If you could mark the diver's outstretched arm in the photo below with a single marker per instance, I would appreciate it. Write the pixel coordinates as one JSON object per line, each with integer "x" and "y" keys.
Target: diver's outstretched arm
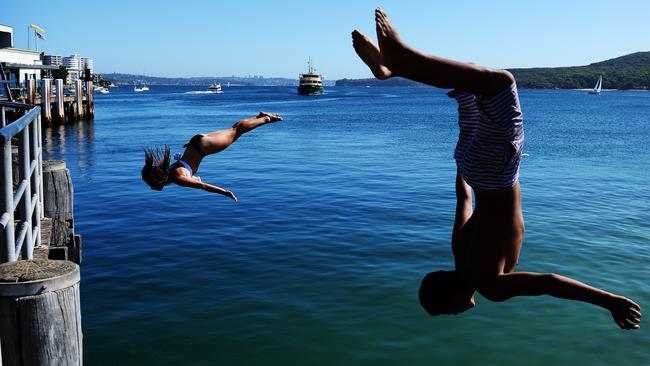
{"x": 626, "y": 313}
{"x": 195, "y": 182}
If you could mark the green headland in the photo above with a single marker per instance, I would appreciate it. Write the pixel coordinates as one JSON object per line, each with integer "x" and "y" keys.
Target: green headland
{"x": 626, "y": 72}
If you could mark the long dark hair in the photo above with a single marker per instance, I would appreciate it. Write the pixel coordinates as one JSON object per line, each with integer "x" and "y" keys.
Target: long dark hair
{"x": 156, "y": 162}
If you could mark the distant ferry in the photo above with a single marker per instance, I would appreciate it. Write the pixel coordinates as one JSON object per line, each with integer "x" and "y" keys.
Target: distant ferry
{"x": 311, "y": 83}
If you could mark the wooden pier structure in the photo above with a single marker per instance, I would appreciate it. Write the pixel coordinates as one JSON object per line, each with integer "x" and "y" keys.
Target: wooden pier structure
{"x": 40, "y": 315}
{"x": 59, "y": 104}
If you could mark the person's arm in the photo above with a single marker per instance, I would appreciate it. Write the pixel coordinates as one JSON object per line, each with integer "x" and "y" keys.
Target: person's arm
{"x": 626, "y": 313}
{"x": 195, "y": 182}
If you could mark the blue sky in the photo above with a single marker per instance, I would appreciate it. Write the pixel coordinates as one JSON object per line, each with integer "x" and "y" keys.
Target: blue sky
{"x": 275, "y": 38}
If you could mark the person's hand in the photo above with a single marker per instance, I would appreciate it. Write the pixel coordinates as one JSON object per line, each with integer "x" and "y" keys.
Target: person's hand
{"x": 231, "y": 195}
{"x": 626, "y": 313}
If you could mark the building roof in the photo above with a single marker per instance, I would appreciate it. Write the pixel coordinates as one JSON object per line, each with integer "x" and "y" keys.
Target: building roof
{"x": 20, "y": 50}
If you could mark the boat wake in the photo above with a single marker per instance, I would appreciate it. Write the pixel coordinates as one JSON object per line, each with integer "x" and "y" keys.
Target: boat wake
{"x": 203, "y": 92}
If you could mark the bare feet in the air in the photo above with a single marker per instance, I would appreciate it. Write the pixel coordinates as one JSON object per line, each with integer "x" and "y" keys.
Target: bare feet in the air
{"x": 385, "y": 59}
{"x": 273, "y": 117}
{"x": 391, "y": 46}
{"x": 369, "y": 54}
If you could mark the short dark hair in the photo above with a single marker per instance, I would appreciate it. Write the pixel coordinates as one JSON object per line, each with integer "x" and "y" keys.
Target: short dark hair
{"x": 436, "y": 290}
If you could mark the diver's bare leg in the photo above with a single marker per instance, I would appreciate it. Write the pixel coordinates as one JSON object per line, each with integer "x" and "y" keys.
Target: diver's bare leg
{"x": 249, "y": 124}
{"x": 220, "y": 140}
{"x": 402, "y": 60}
{"x": 463, "y": 214}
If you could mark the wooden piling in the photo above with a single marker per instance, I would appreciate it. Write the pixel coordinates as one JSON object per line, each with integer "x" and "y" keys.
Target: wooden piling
{"x": 90, "y": 99}
{"x": 31, "y": 92}
{"x": 46, "y": 100}
{"x": 58, "y": 204}
{"x": 40, "y": 317}
{"x": 79, "y": 98}
{"x": 59, "y": 108}
{"x": 57, "y": 190}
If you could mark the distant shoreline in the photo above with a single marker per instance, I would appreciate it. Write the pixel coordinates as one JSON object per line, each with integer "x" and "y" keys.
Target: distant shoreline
{"x": 629, "y": 72}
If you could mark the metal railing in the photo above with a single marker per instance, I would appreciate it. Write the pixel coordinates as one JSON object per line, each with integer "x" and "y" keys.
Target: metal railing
{"x": 21, "y": 209}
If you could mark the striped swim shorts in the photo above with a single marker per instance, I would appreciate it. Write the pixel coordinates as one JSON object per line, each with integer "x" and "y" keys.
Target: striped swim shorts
{"x": 491, "y": 138}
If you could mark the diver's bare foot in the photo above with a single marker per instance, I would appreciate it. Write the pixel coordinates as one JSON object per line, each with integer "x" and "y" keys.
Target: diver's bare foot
{"x": 626, "y": 313}
{"x": 391, "y": 47}
{"x": 273, "y": 117}
{"x": 369, "y": 54}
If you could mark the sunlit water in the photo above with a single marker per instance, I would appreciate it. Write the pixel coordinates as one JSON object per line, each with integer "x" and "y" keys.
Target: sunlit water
{"x": 343, "y": 208}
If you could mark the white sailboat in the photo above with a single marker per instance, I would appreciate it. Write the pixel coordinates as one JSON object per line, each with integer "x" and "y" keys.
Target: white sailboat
{"x": 598, "y": 87}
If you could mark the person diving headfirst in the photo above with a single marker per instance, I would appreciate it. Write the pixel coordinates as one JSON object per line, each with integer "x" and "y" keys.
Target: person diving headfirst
{"x": 486, "y": 239}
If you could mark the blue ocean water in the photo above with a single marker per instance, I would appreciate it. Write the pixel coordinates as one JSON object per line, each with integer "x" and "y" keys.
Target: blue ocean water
{"x": 343, "y": 207}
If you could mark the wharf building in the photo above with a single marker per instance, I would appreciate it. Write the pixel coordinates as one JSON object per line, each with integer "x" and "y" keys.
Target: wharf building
{"x": 33, "y": 79}
{"x": 21, "y": 65}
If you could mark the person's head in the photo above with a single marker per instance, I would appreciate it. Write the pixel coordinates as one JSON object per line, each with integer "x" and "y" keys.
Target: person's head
{"x": 443, "y": 292}
{"x": 154, "y": 172}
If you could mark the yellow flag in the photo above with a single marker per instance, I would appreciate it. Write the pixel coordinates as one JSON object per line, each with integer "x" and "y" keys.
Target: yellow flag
{"x": 34, "y": 26}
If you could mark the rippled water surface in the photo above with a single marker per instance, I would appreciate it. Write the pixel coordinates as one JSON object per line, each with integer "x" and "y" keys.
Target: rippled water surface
{"x": 343, "y": 208}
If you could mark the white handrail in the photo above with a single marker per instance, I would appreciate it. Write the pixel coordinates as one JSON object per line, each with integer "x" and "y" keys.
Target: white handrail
{"x": 21, "y": 208}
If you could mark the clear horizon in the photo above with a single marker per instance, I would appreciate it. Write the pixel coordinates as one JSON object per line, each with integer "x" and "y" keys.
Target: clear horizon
{"x": 205, "y": 39}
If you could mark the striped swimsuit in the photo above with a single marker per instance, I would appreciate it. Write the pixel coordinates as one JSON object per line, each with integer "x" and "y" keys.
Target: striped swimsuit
{"x": 491, "y": 138}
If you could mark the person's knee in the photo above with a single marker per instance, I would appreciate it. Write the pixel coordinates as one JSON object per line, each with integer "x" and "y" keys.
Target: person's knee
{"x": 500, "y": 79}
{"x": 240, "y": 127}
{"x": 506, "y": 77}
{"x": 495, "y": 80}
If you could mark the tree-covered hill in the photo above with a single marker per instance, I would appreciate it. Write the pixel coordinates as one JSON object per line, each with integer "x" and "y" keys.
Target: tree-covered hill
{"x": 625, "y": 72}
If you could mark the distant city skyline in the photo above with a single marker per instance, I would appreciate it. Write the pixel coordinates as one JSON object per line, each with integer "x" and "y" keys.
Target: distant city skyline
{"x": 275, "y": 39}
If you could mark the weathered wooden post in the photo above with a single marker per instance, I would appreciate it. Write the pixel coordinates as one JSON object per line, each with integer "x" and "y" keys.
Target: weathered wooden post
{"x": 79, "y": 98}
{"x": 59, "y": 109}
{"x": 57, "y": 189}
{"x": 58, "y": 204}
{"x": 46, "y": 96}
{"x": 40, "y": 317}
{"x": 90, "y": 99}
{"x": 31, "y": 92}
